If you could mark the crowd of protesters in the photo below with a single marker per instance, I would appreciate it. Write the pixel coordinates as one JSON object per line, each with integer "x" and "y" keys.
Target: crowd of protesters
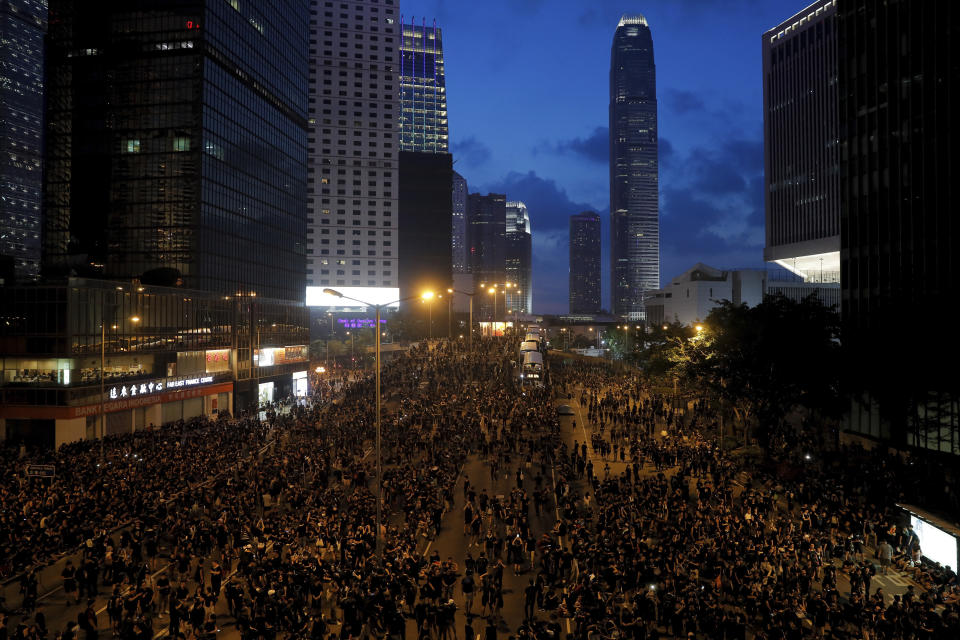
{"x": 697, "y": 547}
{"x": 649, "y": 536}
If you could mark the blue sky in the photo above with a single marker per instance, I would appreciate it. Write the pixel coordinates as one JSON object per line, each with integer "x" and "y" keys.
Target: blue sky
{"x": 527, "y": 86}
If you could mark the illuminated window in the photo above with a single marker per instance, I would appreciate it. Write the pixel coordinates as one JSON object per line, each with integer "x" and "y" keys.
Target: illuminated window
{"x": 133, "y": 145}
{"x": 181, "y": 144}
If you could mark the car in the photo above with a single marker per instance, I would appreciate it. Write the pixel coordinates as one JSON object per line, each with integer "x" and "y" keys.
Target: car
{"x": 565, "y": 410}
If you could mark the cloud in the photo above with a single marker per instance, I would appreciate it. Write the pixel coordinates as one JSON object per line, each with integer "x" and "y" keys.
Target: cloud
{"x": 549, "y": 204}
{"x": 683, "y": 102}
{"x": 595, "y": 147}
{"x": 712, "y": 209}
{"x": 471, "y": 151}
{"x": 665, "y": 153}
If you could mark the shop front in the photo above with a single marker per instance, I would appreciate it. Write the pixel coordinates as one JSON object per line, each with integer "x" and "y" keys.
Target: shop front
{"x": 126, "y": 408}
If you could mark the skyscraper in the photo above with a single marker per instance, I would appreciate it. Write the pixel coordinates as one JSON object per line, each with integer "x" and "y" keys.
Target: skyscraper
{"x": 426, "y": 169}
{"x": 353, "y": 159}
{"x": 176, "y": 143}
{"x": 423, "y": 92}
{"x": 22, "y": 26}
{"x": 898, "y": 232}
{"x": 634, "y": 195}
{"x": 458, "y": 240}
{"x": 423, "y": 255}
{"x": 801, "y": 154}
{"x": 486, "y": 233}
{"x": 585, "y": 263}
{"x": 518, "y": 258}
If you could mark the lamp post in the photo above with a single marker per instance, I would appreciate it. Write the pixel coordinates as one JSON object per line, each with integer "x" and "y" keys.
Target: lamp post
{"x": 470, "y": 325}
{"x": 429, "y": 301}
{"x": 103, "y": 363}
{"x": 351, "y": 349}
{"x": 329, "y": 337}
{"x": 103, "y": 353}
{"x": 378, "y": 308}
{"x": 449, "y": 314}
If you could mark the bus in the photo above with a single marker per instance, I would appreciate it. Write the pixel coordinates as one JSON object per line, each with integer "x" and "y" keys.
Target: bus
{"x": 532, "y": 369}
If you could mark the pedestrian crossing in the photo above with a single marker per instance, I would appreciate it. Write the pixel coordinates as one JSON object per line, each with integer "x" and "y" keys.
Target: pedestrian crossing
{"x": 891, "y": 579}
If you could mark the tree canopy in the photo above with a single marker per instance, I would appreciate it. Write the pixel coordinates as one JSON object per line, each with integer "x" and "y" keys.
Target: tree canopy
{"x": 765, "y": 360}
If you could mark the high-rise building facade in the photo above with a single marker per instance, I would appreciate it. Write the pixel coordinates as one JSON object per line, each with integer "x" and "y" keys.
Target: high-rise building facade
{"x": 458, "y": 238}
{"x": 354, "y": 148}
{"x": 176, "y": 143}
{"x": 801, "y": 150}
{"x": 518, "y": 258}
{"x": 898, "y": 233}
{"x": 486, "y": 234}
{"x": 423, "y": 92}
{"x": 22, "y": 27}
{"x": 424, "y": 258}
{"x": 585, "y": 263}
{"x": 634, "y": 168}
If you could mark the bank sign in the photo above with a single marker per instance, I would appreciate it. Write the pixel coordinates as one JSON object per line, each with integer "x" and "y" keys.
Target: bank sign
{"x": 148, "y": 388}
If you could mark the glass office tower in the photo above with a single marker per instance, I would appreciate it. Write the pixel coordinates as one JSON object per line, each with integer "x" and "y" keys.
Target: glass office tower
{"x": 897, "y": 79}
{"x": 423, "y": 92}
{"x": 177, "y": 143}
{"x": 802, "y": 163}
{"x": 585, "y": 263}
{"x": 22, "y": 26}
{"x": 458, "y": 239}
{"x": 634, "y": 195}
{"x": 518, "y": 258}
{"x": 486, "y": 235}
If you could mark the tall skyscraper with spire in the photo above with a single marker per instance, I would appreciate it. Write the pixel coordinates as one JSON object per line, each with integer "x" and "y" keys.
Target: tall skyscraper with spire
{"x": 634, "y": 170}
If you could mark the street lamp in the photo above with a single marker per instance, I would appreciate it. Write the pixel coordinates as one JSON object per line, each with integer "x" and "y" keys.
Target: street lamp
{"x": 378, "y": 307}
{"x": 470, "y": 325}
{"x": 329, "y": 336}
{"x": 352, "y": 361}
{"x": 428, "y": 298}
{"x": 103, "y": 364}
{"x": 449, "y": 313}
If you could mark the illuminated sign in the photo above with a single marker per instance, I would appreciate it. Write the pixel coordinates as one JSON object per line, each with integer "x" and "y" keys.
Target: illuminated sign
{"x": 386, "y": 296}
{"x": 147, "y": 388}
{"x": 263, "y": 357}
{"x": 359, "y": 323}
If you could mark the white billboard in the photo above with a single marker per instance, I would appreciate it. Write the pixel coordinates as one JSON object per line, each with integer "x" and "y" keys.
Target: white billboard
{"x": 935, "y": 543}
{"x": 388, "y": 296}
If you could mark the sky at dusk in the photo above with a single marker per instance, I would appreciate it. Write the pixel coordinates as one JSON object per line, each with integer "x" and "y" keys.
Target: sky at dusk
{"x": 528, "y": 95}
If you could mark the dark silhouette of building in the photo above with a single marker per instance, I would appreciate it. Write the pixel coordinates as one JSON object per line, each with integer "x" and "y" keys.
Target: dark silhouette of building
{"x": 423, "y": 91}
{"x": 23, "y": 25}
{"x": 486, "y": 234}
{"x": 898, "y": 80}
{"x": 585, "y": 263}
{"x": 425, "y": 222}
{"x": 634, "y": 195}
{"x": 801, "y": 153}
{"x": 518, "y": 259}
{"x": 176, "y": 143}
{"x": 461, "y": 262}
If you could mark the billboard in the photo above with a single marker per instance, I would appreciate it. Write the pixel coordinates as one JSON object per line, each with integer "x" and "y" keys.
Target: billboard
{"x": 387, "y": 296}
{"x": 935, "y": 543}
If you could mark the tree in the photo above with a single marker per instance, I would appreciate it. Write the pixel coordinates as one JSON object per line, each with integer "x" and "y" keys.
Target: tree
{"x": 765, "y": 361}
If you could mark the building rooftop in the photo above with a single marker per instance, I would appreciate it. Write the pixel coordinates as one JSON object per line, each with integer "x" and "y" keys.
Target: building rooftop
{"x": 635, "y": 19}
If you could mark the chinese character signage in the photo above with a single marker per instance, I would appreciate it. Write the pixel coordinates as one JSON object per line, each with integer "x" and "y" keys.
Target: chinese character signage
{"x": 120, "y": 392}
